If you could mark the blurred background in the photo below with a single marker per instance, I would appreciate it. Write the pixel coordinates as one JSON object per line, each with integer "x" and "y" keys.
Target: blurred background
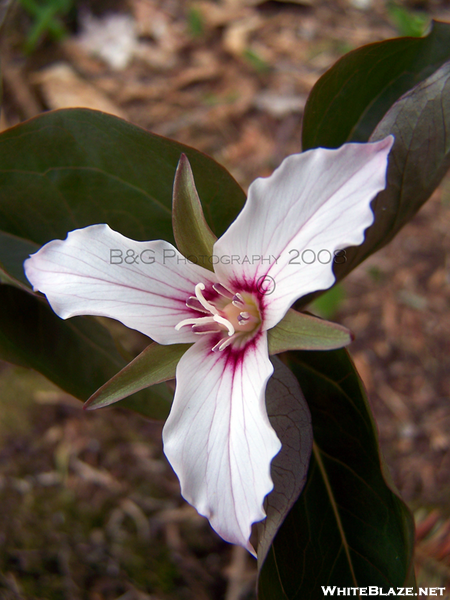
{"x": 89, "y": 507}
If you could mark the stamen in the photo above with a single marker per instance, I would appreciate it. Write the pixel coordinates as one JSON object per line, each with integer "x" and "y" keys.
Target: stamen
{"x": 201, "y": 321}
{"x": 236, "y": 316}
{"x": 209, "y": 307}
{"x": 222, "y": 344}
{"x": 238, "y": 300}
{"x": 207, "y": 328}
{"x": 223, "y": 291}
{"x": 194, "y": 303}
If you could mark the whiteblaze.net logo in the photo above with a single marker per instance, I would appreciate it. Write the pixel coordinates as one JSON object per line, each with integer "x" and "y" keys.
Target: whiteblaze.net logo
{"x": 373, "y": 590}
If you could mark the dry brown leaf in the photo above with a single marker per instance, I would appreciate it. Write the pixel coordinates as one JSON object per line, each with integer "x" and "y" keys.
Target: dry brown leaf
{"x": 62, "y": 87}
{"x": 237, "y": 34}
{"x": 219, "y": 15}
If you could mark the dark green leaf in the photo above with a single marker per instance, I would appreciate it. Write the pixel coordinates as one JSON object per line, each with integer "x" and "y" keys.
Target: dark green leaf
{"x": 299, "y": 331}
{"x": 350, "y": 99}
{"x": 78, "y": 355}
{"x": 153, "y": 365}
{"x": 12, "y": 251}
{"x": 289, "y": 416}
{"x": 419, "y": 159}
{"x": 72, "y": 168}
{"x": 420, "y": 123}
{"x": 348, "y": 528}
{"x": 193, "y": 237}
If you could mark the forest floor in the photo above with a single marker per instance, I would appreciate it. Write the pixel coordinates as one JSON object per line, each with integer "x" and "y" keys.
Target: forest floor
{"x": 89, "y": 507}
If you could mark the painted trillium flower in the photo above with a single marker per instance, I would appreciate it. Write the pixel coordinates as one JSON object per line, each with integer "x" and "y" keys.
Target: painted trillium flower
{"x": 218, "y": 438}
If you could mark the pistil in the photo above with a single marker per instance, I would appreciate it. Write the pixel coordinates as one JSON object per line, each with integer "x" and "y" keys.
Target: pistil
{"x": 238, "y": 317}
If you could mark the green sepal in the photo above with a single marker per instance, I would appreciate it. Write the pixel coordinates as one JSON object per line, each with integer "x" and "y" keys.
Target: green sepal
{"x": 193, "y": 237}
{"x": 300, "y": 331}
{"x": 153, "y": 365}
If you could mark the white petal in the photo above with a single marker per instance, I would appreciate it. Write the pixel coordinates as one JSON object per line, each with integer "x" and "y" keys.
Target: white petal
{"x": 97, "y": 271}
{"x": 218, "y": 438}
{"x": 318, "y": 200}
